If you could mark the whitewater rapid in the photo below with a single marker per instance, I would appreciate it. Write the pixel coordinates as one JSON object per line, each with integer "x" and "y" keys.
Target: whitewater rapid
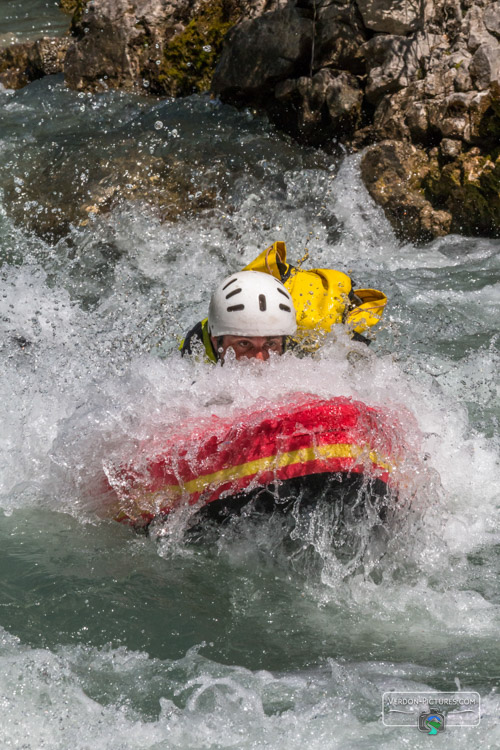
{"x": 114, "y": 640}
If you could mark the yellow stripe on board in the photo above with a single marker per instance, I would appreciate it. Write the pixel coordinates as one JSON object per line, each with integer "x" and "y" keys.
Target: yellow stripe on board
{"x": 302, "y": 455}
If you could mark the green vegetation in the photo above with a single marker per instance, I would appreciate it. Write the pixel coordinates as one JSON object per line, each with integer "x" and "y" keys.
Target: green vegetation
{"x": 469, "y": 188}
{"x": 13, "y": 65}
{"x": 72, "y": 6}
{"x": 75, "y": 8}
{"x": 190, "y": 58}
{"x": 489, "y": 128}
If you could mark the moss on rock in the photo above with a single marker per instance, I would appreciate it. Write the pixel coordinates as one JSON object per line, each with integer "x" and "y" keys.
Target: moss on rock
{"x": 72, "y": 6}
{"x": 469, "y": 188}
{"x": 14, "y": 62}
{"x": 76, "y": 9}
{"x": 189, "y": 59}
{"x": 394, "y": 172}
{"x": 489, "y": 127}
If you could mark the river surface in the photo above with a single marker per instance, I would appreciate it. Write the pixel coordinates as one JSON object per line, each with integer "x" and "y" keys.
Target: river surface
{"x": 22, "y": 20}
{"x": 249, "y": 639}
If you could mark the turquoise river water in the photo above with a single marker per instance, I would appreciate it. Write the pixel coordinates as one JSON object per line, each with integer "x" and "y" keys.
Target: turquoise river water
{"x": 251, "y": 639}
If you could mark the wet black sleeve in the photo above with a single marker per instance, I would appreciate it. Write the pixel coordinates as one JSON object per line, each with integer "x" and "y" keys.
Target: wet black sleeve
{"x": 195, "y": 334}
{"x": 358, "y": 337}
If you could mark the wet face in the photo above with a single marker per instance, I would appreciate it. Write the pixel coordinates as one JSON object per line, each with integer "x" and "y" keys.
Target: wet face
{"x": 249, "y": 347}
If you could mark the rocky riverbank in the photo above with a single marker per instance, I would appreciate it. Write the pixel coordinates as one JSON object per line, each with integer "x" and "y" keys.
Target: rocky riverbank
{"x": 414, "y": 83}
{"x": 417, "y": 83}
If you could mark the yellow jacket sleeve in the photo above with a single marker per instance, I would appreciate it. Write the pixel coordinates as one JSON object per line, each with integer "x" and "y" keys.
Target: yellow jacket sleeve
{"x": 369, "y": 312}
{"x": 322, "y": 296}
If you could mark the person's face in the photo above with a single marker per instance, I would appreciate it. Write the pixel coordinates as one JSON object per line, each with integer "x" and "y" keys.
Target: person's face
{"x": 248, "y": 347}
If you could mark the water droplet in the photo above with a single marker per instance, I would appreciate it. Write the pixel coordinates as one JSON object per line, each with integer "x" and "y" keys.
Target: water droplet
{"x": 207, "y": 48}
{"x": 158, "y": 125}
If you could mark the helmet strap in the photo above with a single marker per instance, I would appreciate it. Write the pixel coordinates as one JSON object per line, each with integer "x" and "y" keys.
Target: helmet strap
{"x": 220, "y": 344}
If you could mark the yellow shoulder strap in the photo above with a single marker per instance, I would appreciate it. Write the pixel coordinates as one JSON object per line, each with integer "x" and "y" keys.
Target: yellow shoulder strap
{"x": 209, "y": 350}
{"x": 271, "y": 260}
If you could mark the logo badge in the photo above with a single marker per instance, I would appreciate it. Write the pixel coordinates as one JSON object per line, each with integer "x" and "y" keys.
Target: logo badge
{"x": 432, "y": 723}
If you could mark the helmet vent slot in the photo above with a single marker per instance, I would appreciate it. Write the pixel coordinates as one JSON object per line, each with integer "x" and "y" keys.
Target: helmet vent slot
{"x": 229, "y": 283}
{"x": 235, "y": 308}
{"x": 262, "y": 302}
{"x": 285, "y": 308}
{"x": 231, "y": 294}
{"x": 282, "y": 291}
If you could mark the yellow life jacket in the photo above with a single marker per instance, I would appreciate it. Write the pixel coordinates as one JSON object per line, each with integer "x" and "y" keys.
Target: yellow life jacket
{"x": 322, "y": 296}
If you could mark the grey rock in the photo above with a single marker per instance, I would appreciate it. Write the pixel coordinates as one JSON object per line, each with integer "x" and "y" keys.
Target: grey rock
{"x": 26, "y": 61}
{"x": 491, "y": 19}
{"x": 450, "y": 148}
{"x": 485, "y": 66}
{"x": 460, "y": 115}
{"x": 338, "y": 37}
{"x": 410, "y": 115}
{"x": 454, "y": 127}
{"x": 394, "y": 61}
{"x": 47, "y": 56}
{"x": 392, "y": 16}
{"x": 121, "y": 43}
{"x": 423, "y": 73}
{"x": 14, "y": 65}
{"x": 387, "y": 61}
{"x": 103, "y": 56}
{"x": 474, "y": 29}
{"x": 463, "y": 81}
{"x": 261, "y": 52}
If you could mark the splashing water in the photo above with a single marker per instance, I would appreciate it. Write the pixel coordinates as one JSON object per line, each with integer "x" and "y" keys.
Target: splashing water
{"x": 255, "y": 638}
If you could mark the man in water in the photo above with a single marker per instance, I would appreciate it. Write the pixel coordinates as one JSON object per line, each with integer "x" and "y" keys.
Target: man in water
{"x": 272, "y": 303}
{"x": 251, "y": 313}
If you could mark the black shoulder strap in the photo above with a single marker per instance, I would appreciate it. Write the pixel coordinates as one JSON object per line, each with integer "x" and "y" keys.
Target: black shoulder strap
{"x": 199, "y": 335}
{"x": 196, "y": 333}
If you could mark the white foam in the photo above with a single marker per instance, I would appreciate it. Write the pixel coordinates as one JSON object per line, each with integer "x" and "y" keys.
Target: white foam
{"x": 56, "y": 698}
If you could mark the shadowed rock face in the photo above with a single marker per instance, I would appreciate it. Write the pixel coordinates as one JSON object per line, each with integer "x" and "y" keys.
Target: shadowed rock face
{"x": 387, "y": 74}
{"x": 314, "y": 109}
{"x": 262, "y": 52}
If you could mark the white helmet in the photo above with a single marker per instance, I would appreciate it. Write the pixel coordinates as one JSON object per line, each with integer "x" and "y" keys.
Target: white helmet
{"x": 250, "y": 303}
